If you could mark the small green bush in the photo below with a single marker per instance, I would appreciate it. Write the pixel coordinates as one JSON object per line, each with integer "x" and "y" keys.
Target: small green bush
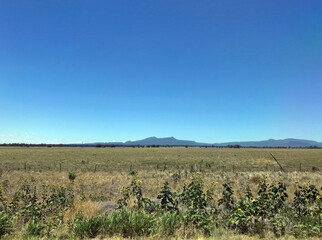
{"x": 130, "y": 223}
{"x": 6, "y": 225}
{"x": 87, "y": 227}
{"x": 170, "y": 221}
{"x": 194, "y": 200}
{"x": 71, "y": 176}
{"x": 36, "y": 229}
{"x": 306, "y": 230}
{"x": 169, "y": 201}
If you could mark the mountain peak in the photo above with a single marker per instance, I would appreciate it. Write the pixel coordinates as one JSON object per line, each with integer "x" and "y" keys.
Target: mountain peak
{"x": 149, "y": 138}
{"x": 170, "y": 138}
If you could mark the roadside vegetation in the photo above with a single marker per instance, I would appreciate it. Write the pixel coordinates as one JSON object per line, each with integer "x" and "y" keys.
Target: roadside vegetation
{"x": 52, "y": 211}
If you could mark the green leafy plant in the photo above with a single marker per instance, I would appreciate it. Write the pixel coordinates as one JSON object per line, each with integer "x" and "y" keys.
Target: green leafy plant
{"x": 170, "y": 221}
{"x": 194, "y": 199}
{"x": 87, "y": 227}
{"x": 130, "y": 223}
{"x": 36, "y": 229}
{"x": 71, "y": 176}
{"x": 169, "y": 201}
{"x": 6, "y": 224}
{"x": 135, "y": 190}
{"x": 227, "y": 200}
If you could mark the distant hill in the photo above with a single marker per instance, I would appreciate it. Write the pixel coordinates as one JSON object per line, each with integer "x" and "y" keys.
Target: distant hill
{"x": 289, "y": 142}
{"x": 171, "y": 141}
{"x": 165, "y": 141}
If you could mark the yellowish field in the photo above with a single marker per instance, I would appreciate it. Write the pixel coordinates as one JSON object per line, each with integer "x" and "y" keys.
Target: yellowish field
{"x": 121, "y": 159}
{"x": 154, "y": 167}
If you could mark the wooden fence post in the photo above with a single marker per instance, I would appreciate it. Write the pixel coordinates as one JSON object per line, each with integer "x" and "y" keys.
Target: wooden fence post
{"x": 278, "y": 163}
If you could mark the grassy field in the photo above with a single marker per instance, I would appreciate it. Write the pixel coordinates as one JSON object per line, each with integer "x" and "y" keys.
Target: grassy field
{"x": 101, "y": 173}
{"x": 121, "y": 159}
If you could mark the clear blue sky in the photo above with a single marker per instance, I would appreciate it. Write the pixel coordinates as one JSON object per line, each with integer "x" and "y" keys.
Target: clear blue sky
{"x": 210, "y": 71}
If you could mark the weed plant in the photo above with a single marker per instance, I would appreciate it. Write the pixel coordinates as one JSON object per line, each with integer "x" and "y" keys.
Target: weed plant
{"x": 38, "y": 211}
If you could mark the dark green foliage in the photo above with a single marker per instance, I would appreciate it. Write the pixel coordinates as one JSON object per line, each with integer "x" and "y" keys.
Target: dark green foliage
{"x": 192, "y": 211}
{"x": 27, "y": 205}
{"x": 227, "y": 201}
{"x": 247, "y": 213}
{"x": 251, "y": 215}
{"x": 168, "y": 200}
{"x": 194, "y": 199}
{"x": 6, "y": 225}
{"x": 36, "y": 229}
{"x": 129, "y": 223}
{"x": 71, "y": 176}
{"x": 170, "y": 221}
{"x": 41, "y": 212}
{"x": 307, "y": 207}
{"x": 87, "y": 227}
{"x": 307, "y": 230}
{"x": 135, "y": 190}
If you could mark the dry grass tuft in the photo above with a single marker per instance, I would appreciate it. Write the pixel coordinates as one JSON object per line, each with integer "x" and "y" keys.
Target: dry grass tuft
{"x": 89, "y": 209}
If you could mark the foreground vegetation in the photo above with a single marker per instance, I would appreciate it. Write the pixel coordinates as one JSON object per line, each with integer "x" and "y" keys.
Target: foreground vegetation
{"x": 51, "y": 211}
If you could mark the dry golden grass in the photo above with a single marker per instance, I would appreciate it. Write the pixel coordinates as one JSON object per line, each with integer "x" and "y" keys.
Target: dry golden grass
{"x": 105, "y": 186}
{"x": 121, "y": 159}
{"x": 154, "y": 166}
{"x": 220, "y": 235}
{"x": 88, "y": 208}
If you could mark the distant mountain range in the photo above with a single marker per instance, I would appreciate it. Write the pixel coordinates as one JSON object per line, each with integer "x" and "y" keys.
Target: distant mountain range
{"x": 171, "y": 141}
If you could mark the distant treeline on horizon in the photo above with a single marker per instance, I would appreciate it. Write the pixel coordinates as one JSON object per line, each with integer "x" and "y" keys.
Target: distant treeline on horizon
{"x": 139, "y": 146}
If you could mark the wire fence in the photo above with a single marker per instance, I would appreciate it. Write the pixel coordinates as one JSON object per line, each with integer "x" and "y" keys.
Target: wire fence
{"x": 65, "y": 167}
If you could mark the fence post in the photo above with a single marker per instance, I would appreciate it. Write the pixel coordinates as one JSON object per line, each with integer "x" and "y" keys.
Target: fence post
{"x": 25, "y": 167}
{"x": 281, "y": 168}
{"x": 59, "y": 167}
{"x": 300, "y": 167}
{"x": 95, "y": 168}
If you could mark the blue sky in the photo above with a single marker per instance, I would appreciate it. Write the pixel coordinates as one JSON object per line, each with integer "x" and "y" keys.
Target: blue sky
{"x": 210, "y": 71}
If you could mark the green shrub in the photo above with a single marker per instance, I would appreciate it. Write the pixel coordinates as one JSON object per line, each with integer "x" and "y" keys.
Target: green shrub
{"x": 170, "y": 221}
{"x": 254, "y": 215}
{"x": 243, "y": 217}
{"x": 306, "y": 230}
{"x": 87, "y": 227}
{"x": 194, "y": 199}
{"x": 134, "y": 190}
{"x": 29, "y": 205}
{"x": 130, "y": 223}
{"x": 227, "y": 200}
{"x": 6, "y": 225}
{"x": 71, "y": 176}
{"x": 168, "y": 200}
{"x": 36, "y": 229}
